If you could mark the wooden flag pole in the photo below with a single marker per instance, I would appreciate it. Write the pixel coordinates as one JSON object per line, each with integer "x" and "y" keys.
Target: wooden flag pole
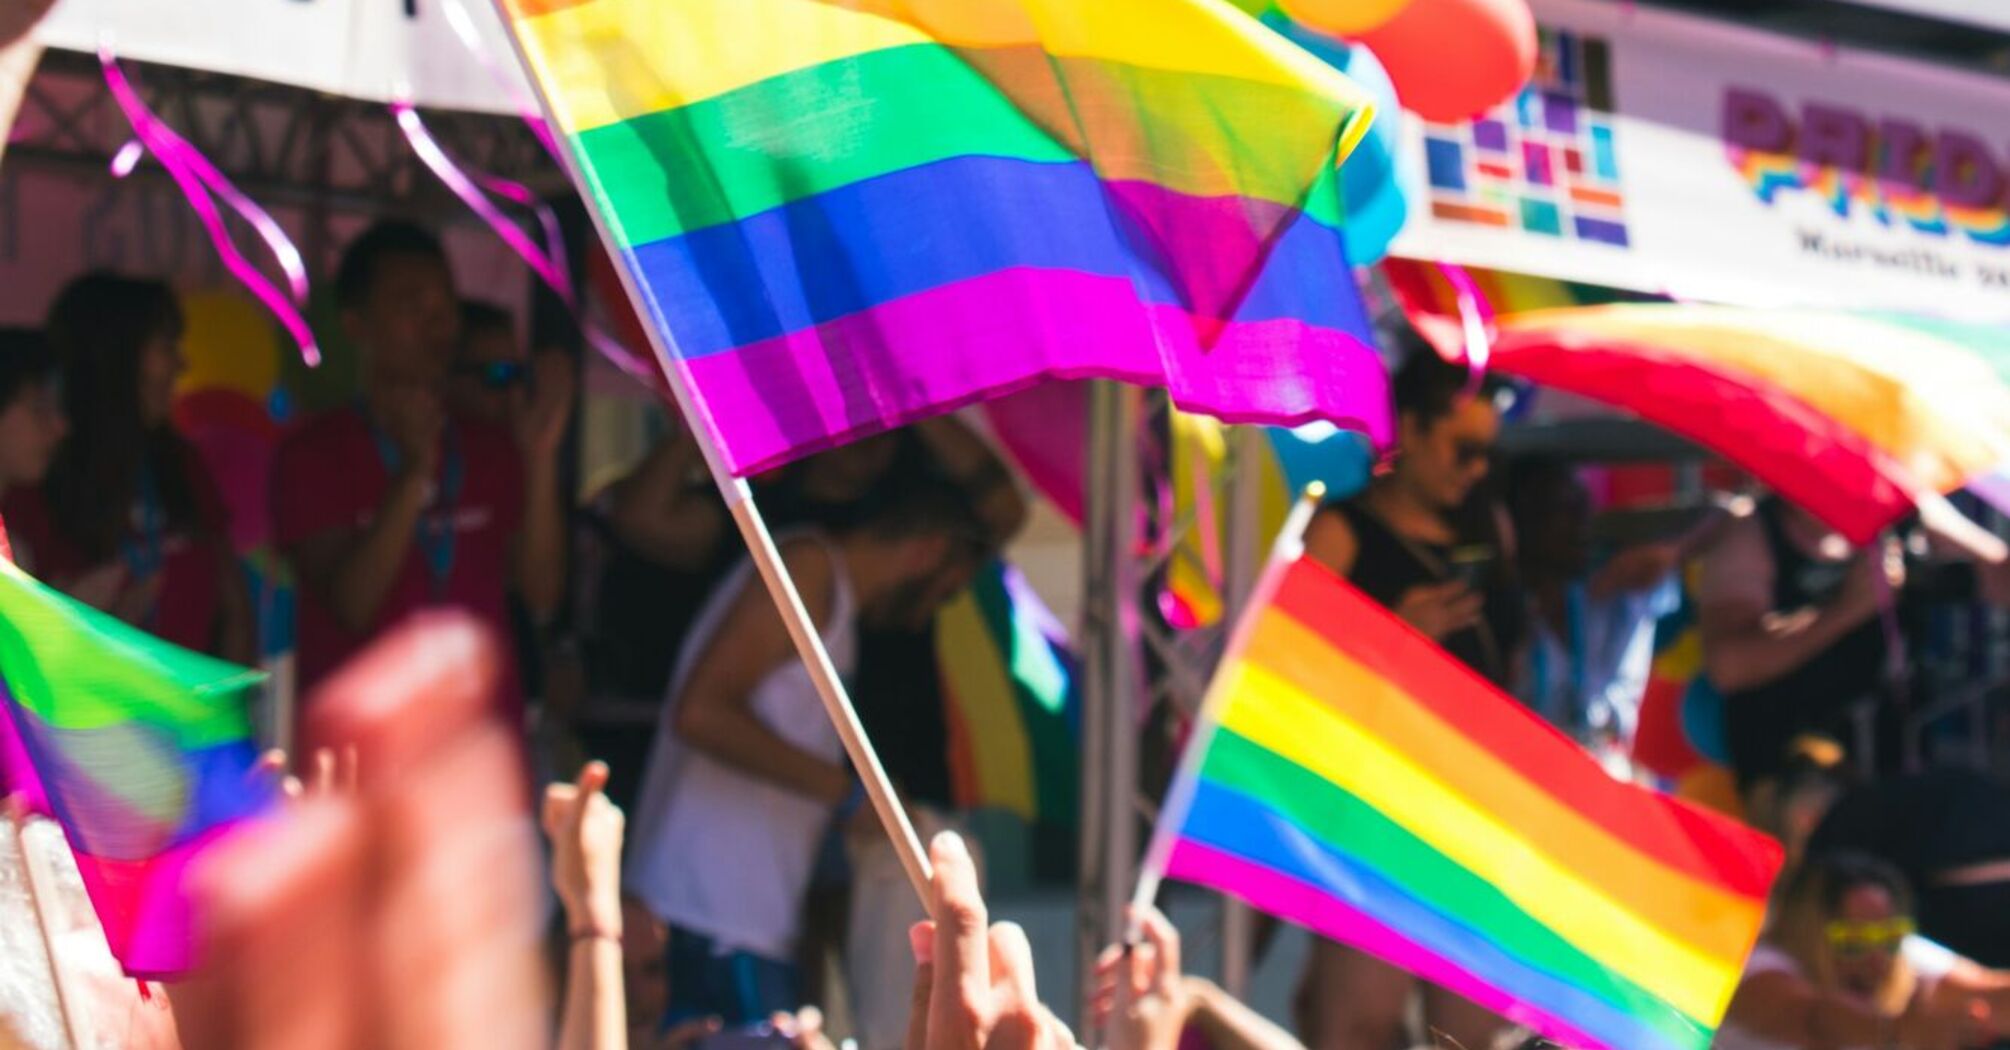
{"x": 837, "y": 702}
{"x": 1179, "y": 797}
{"x": 739, "y": 499}
{"x": 41, "y": 883}
{"x": 17, "y": 68}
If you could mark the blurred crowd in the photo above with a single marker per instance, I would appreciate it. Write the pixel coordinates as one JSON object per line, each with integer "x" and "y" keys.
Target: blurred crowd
{"x": 633, "y": 630}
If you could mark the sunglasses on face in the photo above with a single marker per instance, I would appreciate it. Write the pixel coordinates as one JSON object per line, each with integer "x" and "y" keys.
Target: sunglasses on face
{"x": 1863, "y": 938}
{"x": 495, "y": 375}
{"x": 1471, "y": 453}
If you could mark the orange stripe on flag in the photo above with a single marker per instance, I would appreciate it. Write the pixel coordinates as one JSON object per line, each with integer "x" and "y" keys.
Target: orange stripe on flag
{"x": 1678, "y": 836}
{"x": 1707, "y": 916}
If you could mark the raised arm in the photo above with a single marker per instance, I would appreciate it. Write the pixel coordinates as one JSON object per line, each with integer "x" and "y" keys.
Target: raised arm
{"x": 656, "y": 512}
{"x": 1746, "y": 642}
{"x": 586, "y": 831}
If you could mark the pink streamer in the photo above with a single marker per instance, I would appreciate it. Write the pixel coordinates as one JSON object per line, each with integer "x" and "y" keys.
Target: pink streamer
{"x": 1476, "y": 317}
{"x": 198, "y": 179}
{"x": 547, "y": 261}
{"x": 526, "y": 106}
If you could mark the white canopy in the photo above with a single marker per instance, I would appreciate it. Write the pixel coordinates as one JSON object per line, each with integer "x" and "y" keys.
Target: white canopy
{"x": 369, "y": 49}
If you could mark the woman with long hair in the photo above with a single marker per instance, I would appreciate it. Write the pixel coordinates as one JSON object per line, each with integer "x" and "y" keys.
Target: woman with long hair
{"x": 1426, "y": 543}
{"x": 1841, "y": 965}
{"x": 129, "y": 520}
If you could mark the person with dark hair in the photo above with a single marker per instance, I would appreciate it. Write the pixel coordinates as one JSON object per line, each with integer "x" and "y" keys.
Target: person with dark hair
{"x": 398, "y": 503}
{"x": 129, "y": 520}
{"x": 1945, "y": 829}
{"x": 1840, "y": 964}
{"x": 1402, "y": 543}
{"x": 747, "y": 773}
{"x": 31, "y": 414}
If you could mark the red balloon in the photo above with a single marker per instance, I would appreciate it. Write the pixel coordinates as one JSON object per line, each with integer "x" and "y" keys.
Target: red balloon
{"x": 1454, "y": 59}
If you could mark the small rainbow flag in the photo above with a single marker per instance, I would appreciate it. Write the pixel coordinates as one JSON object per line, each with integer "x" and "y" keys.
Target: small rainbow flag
{"x": 142, "y": 752}
{"x": 845, "y": 215}
{"x": 1012, "y": 699}
{"x": 1351, "y": 777}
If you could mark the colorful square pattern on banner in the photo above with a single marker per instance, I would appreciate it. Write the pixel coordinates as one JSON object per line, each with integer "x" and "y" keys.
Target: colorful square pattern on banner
{"x": 1543, "y": 162}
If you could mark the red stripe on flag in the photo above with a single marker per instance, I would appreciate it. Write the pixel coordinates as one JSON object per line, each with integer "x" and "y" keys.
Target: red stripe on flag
{"x": 1703, "y": 845}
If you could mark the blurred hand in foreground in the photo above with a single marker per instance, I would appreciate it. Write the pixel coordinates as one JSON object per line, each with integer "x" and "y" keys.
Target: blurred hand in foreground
{"x": 401, "y": 914}
{"x": 973, "y": 982}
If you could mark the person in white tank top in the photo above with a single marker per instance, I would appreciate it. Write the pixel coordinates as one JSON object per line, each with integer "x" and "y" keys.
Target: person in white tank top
{"x": 747, "y": 773}
{"x": 1841, "y": 966}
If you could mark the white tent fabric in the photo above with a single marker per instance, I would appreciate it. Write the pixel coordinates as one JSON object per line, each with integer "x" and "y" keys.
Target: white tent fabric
{"x": 369, "y": 49}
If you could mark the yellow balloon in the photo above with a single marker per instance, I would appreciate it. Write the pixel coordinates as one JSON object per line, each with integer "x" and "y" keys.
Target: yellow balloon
{"x": 229, "y": 344}
{"x": 1343, "y": 17}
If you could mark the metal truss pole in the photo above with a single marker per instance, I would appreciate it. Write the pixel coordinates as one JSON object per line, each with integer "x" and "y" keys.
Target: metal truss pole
{"x": 1246, "y": 543}
{"x": 1109, "y": 843}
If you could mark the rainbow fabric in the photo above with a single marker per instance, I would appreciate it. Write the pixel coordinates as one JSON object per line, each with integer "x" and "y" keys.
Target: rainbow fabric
{"x": 1351, "y": 777}
{"x": 1859, "y": 418}
{"x": 1012, "y": 701}
{"x": 141, "y": 751}
{"x": 1290, "y": 461}
{"x": 848, "y": 214}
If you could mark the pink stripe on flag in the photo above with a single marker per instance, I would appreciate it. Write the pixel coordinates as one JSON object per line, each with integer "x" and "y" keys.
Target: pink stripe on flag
{"x": 1326, "y": 915}
{"x": 774, "y": 400}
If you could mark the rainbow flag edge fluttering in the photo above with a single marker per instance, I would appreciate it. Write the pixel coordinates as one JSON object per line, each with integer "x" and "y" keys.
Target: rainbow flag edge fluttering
{"x": 845, "y": 215}
{"x": 141, "y": 751}
{"x": 1351, "y": 777}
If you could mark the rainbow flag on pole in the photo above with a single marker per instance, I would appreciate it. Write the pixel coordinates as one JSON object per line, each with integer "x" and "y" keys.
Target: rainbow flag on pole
{"x": 844, "y": 215}
{"x": 1351, "y": 777}
{"x": 143, "y": 752}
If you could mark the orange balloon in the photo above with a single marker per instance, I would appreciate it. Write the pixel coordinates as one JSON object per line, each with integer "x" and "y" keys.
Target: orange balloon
{"x": 1454, "y": 59}
{"x": 1348, "y": 18}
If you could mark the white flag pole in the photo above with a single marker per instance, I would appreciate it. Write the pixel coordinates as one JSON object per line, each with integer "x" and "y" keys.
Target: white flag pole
{"x": 42, "y": 891}
{"x": 1179, "y": 797}
{"x": 17, "y": 68}
{"x": 739, "y": 499}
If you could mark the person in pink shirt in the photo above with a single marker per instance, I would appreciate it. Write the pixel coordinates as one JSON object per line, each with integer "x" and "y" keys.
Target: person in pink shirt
{"x": 394, "y": 503}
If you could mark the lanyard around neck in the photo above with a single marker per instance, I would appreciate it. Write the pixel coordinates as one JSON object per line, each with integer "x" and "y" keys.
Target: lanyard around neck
{"x": 436, "y": 537}
{"x": 144, "y": 552}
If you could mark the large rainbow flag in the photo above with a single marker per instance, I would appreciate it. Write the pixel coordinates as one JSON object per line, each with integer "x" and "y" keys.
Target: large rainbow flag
{"x": 845, "y": 215}
{"x": 1351, "y": 777}
{"x": 141, "y": 751}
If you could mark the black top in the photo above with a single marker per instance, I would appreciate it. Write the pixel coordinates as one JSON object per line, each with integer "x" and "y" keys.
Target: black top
{"x": 1387, "y": 566}
{"x": 643, "y": 609}
{"x": 1922, "y": 824}
{"x": 1817, "y": 696}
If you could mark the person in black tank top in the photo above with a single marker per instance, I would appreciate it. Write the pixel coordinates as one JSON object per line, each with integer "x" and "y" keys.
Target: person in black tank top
{"x": 1417, "y": 541}
{"x": 1403, "y": 543}
{"x": 1790, "y": 636}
